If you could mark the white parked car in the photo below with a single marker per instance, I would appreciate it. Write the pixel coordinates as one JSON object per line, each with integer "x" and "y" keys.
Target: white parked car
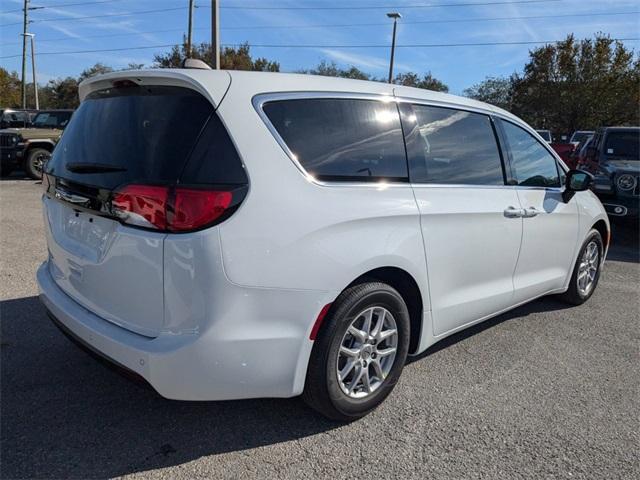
{"x": 232, "y": 235}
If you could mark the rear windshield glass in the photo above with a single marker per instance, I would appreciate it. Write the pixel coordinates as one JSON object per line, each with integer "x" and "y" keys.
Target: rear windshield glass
{"x": 130, "y": 135}
{"x": 623, "y": 145}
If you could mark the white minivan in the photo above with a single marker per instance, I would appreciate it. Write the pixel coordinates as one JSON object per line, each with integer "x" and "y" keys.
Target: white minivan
{"x": 232, "y": 235}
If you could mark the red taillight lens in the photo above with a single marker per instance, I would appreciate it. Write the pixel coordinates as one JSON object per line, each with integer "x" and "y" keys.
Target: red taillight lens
{"x": 142, "y": 205}
{"x": 168, "y": 208}
{"x": 195, "y": 208}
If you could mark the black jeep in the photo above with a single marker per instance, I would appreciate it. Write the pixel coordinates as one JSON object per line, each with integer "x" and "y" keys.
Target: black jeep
{"x": 29, "y": 147}
{"x": 613, "y": 157}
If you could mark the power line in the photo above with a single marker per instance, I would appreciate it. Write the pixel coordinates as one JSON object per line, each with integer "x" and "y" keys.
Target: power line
{"x": 104, "y": 15}
{"x": 99, "y": 50}
{"x": 39, "y": 7}
{"x": 417, "y": 45}
{"x": 338, "y": 25}
{"x": 243, "y": 7}
{"x": 110, "y": 35}
{"x": 421, "y": 22}
{"x": 380, "y": 7}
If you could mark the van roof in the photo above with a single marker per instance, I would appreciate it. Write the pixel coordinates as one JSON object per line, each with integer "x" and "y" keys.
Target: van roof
{"x": 216, "y": 82}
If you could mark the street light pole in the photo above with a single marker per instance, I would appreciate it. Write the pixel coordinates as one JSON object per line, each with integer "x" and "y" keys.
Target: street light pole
{"x": 32, "y": 36}
{"x": 395, "y": 17}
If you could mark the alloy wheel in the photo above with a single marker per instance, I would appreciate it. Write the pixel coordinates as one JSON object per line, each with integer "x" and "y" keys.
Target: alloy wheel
{"x": 588, "y": 268}
{"x": 367, "y": 352}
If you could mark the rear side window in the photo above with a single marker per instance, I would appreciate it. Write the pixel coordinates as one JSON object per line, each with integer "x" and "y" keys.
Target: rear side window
{"x": 448, "y": 146}
{"x": 131, "y": 135}
{"x": 342, "y": 139}
{"x": 51, "y": 119}
{"x": 531, "y": 164}
{"x": 623, "y": 144}
{"x": 214, "y": 160}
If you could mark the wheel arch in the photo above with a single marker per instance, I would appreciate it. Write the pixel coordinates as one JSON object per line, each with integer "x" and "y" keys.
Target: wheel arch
{"x": 408, "y": 288}
{"x": 604, "y": 231}
{"x": 46, "y": 144}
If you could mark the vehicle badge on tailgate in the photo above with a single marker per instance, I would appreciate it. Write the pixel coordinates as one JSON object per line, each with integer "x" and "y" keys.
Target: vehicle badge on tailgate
{"x": 71, "y": 197}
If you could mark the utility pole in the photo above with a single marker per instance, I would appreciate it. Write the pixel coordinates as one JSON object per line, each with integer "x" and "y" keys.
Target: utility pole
{"x": 32, "y": 36}
{"x": 190, "y": 31}
{"x": 215, "y": 34}
{"x": 25, "y": 11}
{"x": 395, "y": 17}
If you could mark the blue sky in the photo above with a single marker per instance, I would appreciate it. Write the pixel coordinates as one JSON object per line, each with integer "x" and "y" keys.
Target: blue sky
{"x": 459, "y": 67}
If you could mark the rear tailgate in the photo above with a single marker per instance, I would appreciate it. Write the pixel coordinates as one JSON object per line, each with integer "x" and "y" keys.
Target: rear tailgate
{"x": 126, "y": 131}
{"x": 113, "y": 270}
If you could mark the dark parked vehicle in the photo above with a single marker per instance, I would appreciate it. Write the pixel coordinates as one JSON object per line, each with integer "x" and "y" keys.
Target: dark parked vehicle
{"x": 30, "y": 147}
{"x": 16, "y": 117}
{"x": 613, "y": 157}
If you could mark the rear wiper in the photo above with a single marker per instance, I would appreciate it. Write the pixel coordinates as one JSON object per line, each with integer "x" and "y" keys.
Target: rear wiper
{"x": 79, "y": 167}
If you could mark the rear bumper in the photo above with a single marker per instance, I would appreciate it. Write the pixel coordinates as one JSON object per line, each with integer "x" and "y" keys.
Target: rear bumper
{"x": 209, "y": 365}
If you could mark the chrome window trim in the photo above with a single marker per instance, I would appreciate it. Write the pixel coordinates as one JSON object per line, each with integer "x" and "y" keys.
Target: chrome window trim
{"x": 258, "y": 101}
{"x": 443, "y": 104}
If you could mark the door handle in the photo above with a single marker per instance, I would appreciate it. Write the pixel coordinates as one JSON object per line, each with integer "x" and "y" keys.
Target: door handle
{"x": 531, "y": 212}
{"x": 513, "y": 212}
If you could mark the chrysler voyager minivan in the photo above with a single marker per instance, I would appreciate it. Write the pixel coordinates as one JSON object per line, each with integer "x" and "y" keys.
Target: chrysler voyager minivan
{"x": 232, "y": 235}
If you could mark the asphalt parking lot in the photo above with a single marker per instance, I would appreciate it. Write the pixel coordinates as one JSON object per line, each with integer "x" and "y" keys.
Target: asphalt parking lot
{"x": 545, "y": 391}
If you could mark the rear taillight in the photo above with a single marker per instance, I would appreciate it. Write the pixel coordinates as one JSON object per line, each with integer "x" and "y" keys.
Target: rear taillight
{"x": 173, "y": 209}
{"x": 142, "y": 205}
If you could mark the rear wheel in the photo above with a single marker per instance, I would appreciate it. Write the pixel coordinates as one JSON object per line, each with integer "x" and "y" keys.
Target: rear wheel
{"x": 586, "y": 271}
{"x": 34, "y": 162}
{"x": 360, "y": 352}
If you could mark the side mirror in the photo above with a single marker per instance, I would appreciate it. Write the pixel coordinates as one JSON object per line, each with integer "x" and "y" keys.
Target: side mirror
{"x": 577, "y": 181}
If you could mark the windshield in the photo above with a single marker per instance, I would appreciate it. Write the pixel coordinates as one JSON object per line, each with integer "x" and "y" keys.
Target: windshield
{"x": 52, "y": 120}
{"x": 579, "y": 137}
{"x": 545, "y": 134}
{"x": 624, "y": 145}
{"x": 13, "y": 119}
{"x": 130, "y": 134}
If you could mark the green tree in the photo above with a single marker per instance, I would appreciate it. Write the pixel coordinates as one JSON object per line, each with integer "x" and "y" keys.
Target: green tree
{"x": 428, "y": 81}
{"x": 10, "y": 93}
{"x": 231, "y": 58}
{"x": 97, "y": 69}
{"x": 331, "y": 69}
{"x": 579, "y": 85}
{"x": 60, "y": 93}
{"x": 497, "y": 91}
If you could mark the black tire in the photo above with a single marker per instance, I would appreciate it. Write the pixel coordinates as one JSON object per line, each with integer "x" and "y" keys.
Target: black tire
{"x": 35, "y": 157}
{"x": 5, "y": 171}
{"x": 574, "y": 295}
{"x": 322, "y": 388}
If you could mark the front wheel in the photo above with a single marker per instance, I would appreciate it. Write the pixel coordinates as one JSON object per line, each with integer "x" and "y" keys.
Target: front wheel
{"x": 586, "y": 271}
{"x": 360, "y": 352}
{"x": 35, "y": 161}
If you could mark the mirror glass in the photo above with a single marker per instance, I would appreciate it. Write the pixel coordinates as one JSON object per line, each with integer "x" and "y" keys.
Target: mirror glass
{"x": 578, "y": 180}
